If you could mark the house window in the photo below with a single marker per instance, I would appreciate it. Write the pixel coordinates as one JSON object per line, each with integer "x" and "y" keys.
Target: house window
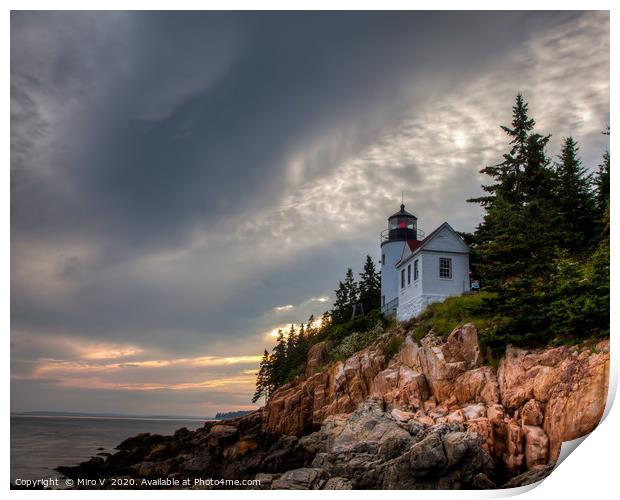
{"x": 383, "y": 300}
{"x": 383, "y": 259}
{"x": 409, "y": 274}
{"x": 416, "y": 272}
{"x": 402, "y": 278}
{"x": 445, "y": 268}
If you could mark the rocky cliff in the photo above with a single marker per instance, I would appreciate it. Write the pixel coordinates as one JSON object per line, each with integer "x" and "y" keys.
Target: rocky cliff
{"x": 432, "y": 416}
{"x": 524, "y": 410}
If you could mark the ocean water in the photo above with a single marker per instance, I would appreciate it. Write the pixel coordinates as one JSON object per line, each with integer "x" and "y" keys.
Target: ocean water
{"x": 41, "y": 443}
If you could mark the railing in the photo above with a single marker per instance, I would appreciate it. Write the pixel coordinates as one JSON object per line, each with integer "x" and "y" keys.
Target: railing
{"x": 390, "y": 308}
{"x": 400, "y": 234}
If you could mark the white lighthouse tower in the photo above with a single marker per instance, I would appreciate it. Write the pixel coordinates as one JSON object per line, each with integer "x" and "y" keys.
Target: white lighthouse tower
{"x": 402, "y": 227}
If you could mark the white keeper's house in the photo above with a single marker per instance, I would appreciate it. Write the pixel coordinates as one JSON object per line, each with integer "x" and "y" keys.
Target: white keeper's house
{"x": 418, "y": 270}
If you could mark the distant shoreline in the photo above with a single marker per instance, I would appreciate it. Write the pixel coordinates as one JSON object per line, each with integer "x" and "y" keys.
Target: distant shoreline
{"x": 113, "y": 417}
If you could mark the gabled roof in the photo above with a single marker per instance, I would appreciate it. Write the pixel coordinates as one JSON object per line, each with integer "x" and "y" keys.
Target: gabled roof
{"x": 413, "y": 247}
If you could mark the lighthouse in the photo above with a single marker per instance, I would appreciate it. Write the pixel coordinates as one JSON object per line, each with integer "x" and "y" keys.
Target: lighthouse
{"x": 402, "y": 227}
{"x": 416, "y": 270}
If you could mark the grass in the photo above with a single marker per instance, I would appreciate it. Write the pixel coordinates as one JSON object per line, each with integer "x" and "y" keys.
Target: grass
{"x": 443, "y": 317}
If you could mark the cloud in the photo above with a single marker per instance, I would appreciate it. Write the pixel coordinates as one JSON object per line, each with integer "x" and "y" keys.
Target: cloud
{"x": 287, "y": 307}
{"x": 322, "y": 299}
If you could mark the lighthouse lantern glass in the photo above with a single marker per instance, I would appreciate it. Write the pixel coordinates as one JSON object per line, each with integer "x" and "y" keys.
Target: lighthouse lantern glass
{"x": 402, "y": 223}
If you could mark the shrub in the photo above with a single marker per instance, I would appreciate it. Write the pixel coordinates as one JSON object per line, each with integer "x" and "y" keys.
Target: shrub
{"x": 336, "y": 333}
{"x": 356, "y": 342}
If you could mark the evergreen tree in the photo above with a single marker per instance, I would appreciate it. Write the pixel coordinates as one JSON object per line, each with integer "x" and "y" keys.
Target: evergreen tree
{"x": 326, "y": 320}
{"x": 339, "y": 311}
{"x": 602, "y": 182}
{"x": 264, "y": 382}
{"x": 347, "y": 295}
{"x": 574, "y": 196}
{"x": 310, "y": 328}
{"x": 516, "y": 242}
{"x": 537, "y": 180}
{"x": 518, "y": 225}
{"x": 301, "y": 349}
{"x": 352, "y": 291}
{"x": 279, "y": 368}
{"x": 507, "y": 175}
{"x": 370, "y": 286}
{"x": 291, "y": 343}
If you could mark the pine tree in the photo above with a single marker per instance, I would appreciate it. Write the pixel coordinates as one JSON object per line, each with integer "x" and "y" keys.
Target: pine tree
{"x": 515, "y": 244}
{"x": 279, "y": 368}
{"x": 602, "y": 183}
{"x": 507, "y": 175}
{"x": 291, "y": 343}
{"x": 370, "y": 286}
{"x": 301, "y": 349}
{"x": 537, "y": 180}
{"x": 518, "y": 225}
{"x": 264, "y": 382}
{"x": 575, "y": 200}
{"x": 339, "y": 310}
{"x": 310, "y": 328}
{"x": 352, "y": 292}
{"x": 326, "y": 320}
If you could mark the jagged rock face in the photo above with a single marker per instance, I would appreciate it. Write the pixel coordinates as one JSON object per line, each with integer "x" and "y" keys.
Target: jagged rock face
{"x": 535, "y": 400}
{"x": 568, "y": 385}
{"x": 446, "y": 371}
{"x": 462, "y": 346}
{"x": 301, "y": 407}
{"x": 317, "y": 358}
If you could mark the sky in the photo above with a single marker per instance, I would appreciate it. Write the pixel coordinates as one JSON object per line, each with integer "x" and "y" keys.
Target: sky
{"x": 183, "y": 184}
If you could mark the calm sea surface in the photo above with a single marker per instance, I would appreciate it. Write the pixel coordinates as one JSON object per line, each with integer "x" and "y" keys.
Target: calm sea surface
{"x": 40, "y": 443}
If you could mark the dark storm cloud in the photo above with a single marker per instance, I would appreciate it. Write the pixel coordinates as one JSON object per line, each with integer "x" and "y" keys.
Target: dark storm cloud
{"x": 178, "y": 177}
{"x": 182, "y": 119}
